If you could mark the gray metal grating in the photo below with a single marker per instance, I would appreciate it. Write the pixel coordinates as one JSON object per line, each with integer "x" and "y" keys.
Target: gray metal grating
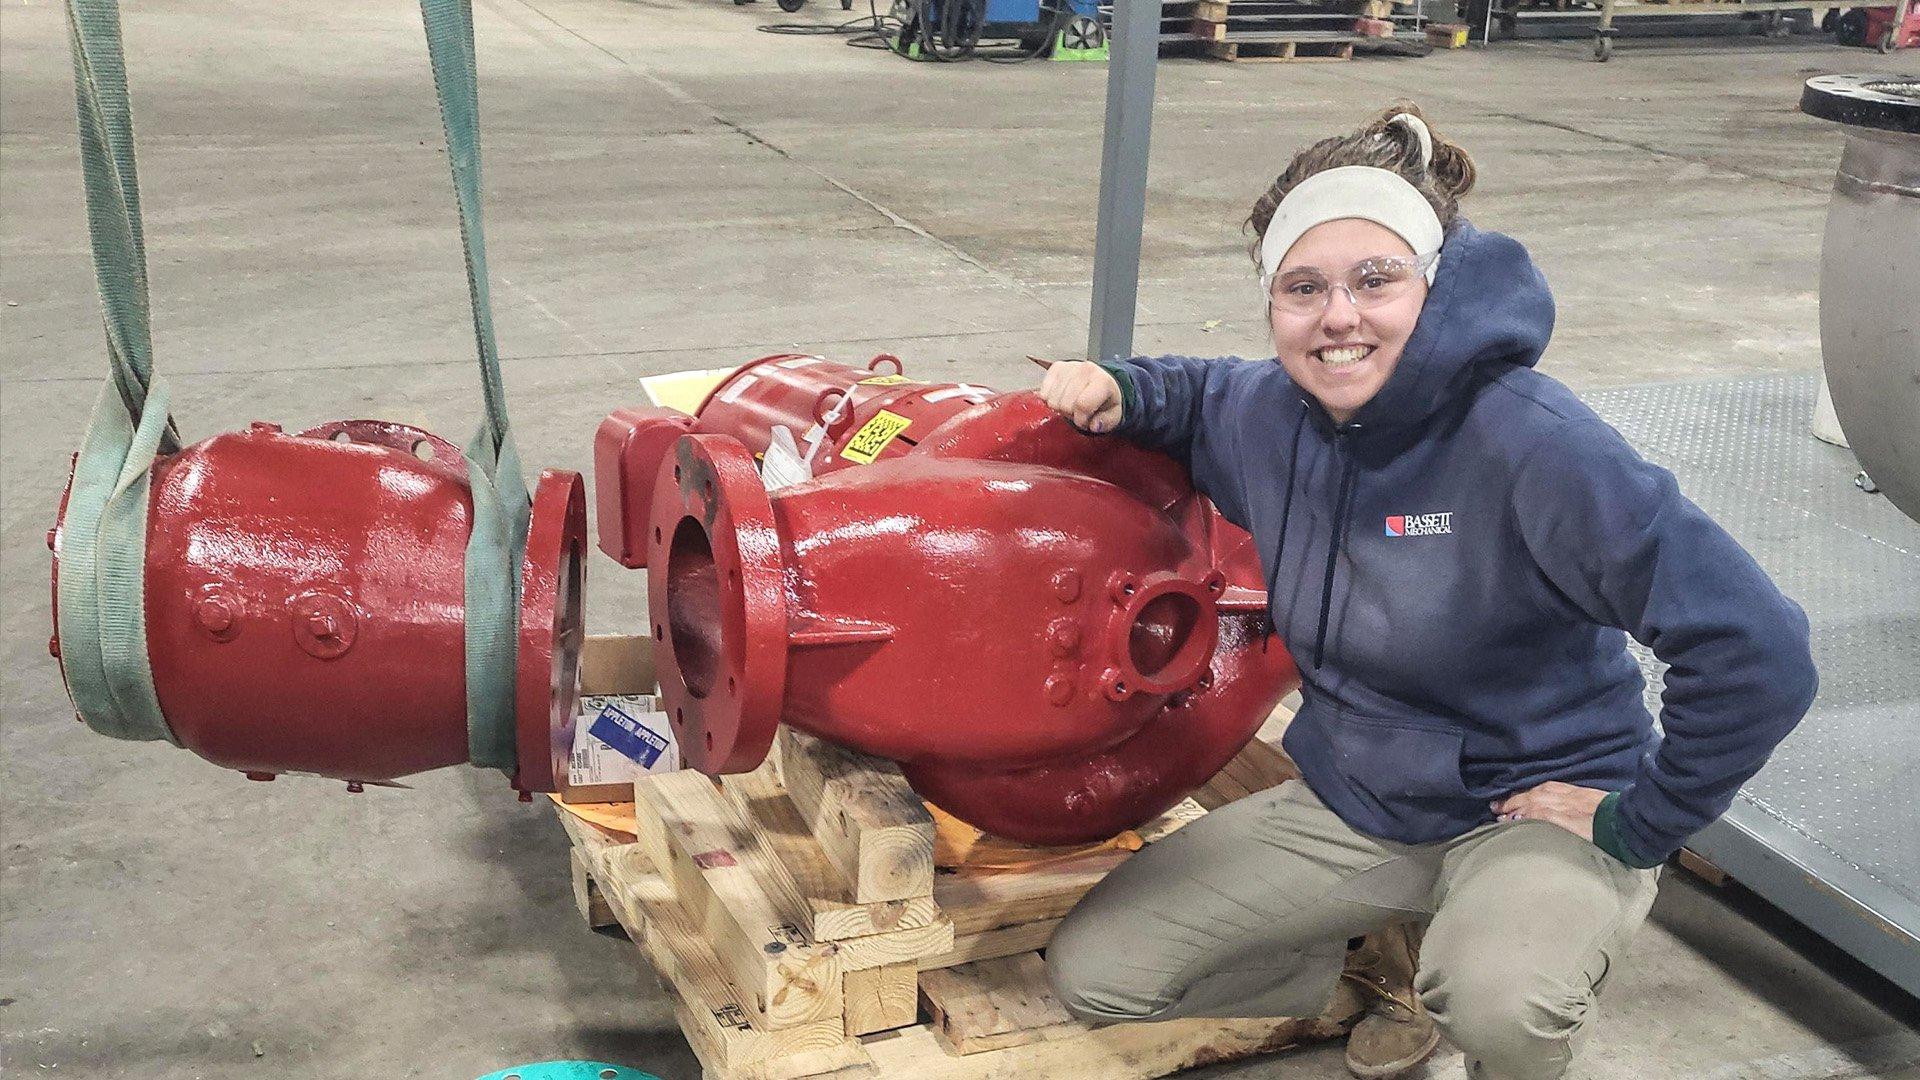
{"x": 1846, "y": 783}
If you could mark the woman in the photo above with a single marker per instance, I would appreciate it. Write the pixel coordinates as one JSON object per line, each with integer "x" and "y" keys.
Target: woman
{"x": 1457, "y": 550}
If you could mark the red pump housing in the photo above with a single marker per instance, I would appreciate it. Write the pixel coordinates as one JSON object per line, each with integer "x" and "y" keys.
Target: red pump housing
{"x": 306, "y": 608}
{"x": 1053, "y": 633}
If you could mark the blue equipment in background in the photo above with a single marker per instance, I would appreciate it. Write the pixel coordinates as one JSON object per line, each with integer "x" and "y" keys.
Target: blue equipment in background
{"x": 948, "y": 30}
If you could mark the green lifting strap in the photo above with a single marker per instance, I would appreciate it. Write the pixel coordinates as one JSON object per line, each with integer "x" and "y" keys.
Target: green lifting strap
{"x": 501, "y": 506}
{"x": 103, "y": 537}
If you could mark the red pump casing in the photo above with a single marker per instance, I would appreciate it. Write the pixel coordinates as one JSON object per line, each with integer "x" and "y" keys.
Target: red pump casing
{"x": 306, "y": 606}
{"x": 1053, "y": 633}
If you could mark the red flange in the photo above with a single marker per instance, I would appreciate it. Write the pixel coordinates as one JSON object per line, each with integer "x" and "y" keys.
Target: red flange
{"x": 552, "y": 629}
{"x": 716, "y": 553}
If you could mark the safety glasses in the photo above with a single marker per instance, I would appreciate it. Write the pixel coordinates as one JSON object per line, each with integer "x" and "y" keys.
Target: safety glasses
{"x": 1306, "y": 290}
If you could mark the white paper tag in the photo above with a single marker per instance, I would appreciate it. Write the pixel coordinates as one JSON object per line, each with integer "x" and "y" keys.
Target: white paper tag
{"x": 798, "y": 362}
{"x": 739, "y": 387}
{"x": 782, "y": 464}
{"x": 974, "y": 393}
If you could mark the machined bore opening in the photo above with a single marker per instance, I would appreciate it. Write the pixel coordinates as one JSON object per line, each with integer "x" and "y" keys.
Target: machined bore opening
{"x": 696, "y": 614}
{"x": 569, "y": 632}
{"x": 1162, "y": 630}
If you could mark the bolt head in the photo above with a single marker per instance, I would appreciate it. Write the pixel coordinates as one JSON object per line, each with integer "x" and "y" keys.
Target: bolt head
{"x": 1066, "y": 586}
{"x": 214, "y": 614}
{"x": 1063, "y": 637}
{"x": 1059, "y": 690}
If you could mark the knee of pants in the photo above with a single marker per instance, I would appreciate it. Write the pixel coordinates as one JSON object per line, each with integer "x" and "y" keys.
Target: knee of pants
{"x": 1519, "y": 1025}
{"x": 1093, "y": 981}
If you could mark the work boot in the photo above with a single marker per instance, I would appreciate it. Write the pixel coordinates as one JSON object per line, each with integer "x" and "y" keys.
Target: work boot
{"x": 1396, "y": 1033}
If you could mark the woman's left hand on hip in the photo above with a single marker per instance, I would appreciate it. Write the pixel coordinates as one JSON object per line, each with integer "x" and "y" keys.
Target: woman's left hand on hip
{"x": 1566, "y": 805}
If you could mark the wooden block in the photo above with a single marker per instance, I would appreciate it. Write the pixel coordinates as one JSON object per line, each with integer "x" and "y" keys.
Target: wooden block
{"x": 980, "y": 902}
{"x": 741, "y": 900}
{"x": 586, "y": 894}
{"x": 793, "y": 1061}
{"x": 1447, "y": 35}
{"x": 869, "y": 822}
{"x": 1703, "y": 869}
{"x": 993, "y": 1004}
{"x": 882, "y": 998}
{"x": 1184, "y": 813}
{"x": 1112, "y": 1052}
{"x": 1280, "y": 51}
{"x": 879, "y": 950}
{"x": 721, "y": 1030}
{"x": 993, "y": 944}
{"x": 1209, "y": 30}
{"x": 837, "y": 921}
{"x": 829, "y": 895}
{"x": 1373, "y": 28}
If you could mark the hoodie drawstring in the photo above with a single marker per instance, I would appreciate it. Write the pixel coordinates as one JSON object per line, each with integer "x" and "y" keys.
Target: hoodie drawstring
{"x": 1342, "y": 509}
{"x": 1286, "y": 511}
{"x": 1335, "y": 541}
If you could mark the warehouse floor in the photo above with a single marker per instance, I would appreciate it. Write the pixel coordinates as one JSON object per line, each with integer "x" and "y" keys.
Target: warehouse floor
{"x": 670, "y": 189}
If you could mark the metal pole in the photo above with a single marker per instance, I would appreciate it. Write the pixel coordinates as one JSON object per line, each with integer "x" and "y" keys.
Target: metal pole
{"x": 1123, "y": 177}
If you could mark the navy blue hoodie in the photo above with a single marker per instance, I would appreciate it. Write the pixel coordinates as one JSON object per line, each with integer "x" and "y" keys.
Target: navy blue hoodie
{"x": 1457, "y": 568}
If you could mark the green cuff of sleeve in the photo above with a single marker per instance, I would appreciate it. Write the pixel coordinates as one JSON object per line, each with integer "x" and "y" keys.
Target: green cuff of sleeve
{"x": 1129, "y": 393}
{"x": 1606, "y": 834}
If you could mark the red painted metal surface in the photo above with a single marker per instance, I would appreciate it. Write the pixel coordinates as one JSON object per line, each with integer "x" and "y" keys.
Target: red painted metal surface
{"x": 305, "y": 603}
{"x": 1053, "y": 633}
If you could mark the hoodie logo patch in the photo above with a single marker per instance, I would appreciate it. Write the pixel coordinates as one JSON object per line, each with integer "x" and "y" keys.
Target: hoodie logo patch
{"x": 1420, "y": 524}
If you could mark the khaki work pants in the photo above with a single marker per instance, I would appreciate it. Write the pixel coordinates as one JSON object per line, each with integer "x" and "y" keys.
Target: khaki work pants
{"x": 1247, "y": 913}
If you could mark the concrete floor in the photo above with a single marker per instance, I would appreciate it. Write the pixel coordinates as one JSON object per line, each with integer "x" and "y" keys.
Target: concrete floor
{"x": 670, "y": 189}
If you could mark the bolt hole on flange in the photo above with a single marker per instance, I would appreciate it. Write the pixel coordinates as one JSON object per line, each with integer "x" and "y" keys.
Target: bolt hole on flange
{"x": 695, "y": 619}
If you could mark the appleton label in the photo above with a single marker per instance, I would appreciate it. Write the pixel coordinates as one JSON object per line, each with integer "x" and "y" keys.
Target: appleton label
{"x": 874, "y": 436}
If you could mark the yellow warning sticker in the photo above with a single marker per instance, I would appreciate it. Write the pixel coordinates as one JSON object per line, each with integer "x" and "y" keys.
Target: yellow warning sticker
{"x": 887, "y": 380}
{"x": 873, "y": 437}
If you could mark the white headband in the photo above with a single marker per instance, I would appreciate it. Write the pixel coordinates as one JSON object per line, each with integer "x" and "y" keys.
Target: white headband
{"x": 1381, "y": 196}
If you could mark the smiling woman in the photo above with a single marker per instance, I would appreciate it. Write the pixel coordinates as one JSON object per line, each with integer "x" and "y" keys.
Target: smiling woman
{"x": 1348, "y": 238}
{"x": 1472, "y": 730}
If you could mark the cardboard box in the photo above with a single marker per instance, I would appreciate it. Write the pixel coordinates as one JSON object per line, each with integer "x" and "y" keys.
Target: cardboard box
{"x": 617, "y": 735}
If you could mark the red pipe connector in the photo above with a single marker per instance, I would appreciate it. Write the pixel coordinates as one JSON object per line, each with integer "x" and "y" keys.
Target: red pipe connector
{"x": 1055, "y": 636}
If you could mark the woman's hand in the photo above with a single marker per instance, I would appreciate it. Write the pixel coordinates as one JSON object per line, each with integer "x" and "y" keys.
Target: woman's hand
{"x": 1083, "y": 393}
{"x": 1566, "y": 805}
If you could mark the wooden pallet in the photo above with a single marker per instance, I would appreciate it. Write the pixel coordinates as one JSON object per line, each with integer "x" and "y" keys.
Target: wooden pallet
{"x": 1277, "y": 10}
{"x": 1283, "y": 48}
{"x": 796, "y": 918}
